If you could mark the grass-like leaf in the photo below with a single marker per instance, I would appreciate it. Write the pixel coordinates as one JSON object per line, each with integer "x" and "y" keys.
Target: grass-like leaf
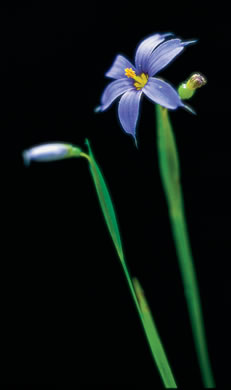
{"x": 150, "y": 331}
{"x": 170, "y": 174}
{"x": 154, "y": 339}
{"x": 105, "y": 203}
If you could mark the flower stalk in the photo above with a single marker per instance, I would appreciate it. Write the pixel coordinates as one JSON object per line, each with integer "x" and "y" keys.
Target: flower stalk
{"x": 170, "y": 175}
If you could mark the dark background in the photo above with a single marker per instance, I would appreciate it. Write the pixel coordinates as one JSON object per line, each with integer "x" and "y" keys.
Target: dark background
{"x": 66, "y": 312}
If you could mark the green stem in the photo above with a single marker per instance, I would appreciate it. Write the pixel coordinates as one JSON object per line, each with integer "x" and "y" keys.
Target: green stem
{"x": 85, "y": 155}
{"x": 154, "y": 340}
{"x": 152, "y": 336}
{"x": 170, "y": 174}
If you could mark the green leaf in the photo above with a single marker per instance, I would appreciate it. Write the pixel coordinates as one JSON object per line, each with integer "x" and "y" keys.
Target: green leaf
{"x": 154, "y": 339}
{"x": 105, "y": 202}
{"x": 147, "y": 322}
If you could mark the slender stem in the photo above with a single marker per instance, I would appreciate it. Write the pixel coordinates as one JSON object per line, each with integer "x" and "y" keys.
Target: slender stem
{"x": 82, "y": 154}
{"x": 192, "y": 296}
{"x": 170, "y": 174}
{"x": 153, "y": 338}
{"x": 131, "y": 288}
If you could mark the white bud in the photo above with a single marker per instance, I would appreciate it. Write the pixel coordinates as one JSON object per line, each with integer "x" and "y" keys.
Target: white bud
{"x": 50, "y": 152}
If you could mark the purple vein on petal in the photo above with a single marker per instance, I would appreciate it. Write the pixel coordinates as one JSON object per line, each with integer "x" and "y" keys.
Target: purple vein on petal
{"x": 114, "y": 90}
{"x": 164, "y": 54}
{"x": 118, "y": 67}
{"x": 162, "y": 93}
{"x": 128, "y": 110}
{"x": 145, "y": 49}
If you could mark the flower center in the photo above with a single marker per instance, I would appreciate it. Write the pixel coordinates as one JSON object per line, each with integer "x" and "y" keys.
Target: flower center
{"x": 140, "y": 80}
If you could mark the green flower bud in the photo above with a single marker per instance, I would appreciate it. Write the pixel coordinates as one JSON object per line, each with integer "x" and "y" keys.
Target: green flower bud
{"x": 185, "y": 92}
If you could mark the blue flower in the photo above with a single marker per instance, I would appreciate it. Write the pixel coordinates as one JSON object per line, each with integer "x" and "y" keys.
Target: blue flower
{"x": 152, "y": 55}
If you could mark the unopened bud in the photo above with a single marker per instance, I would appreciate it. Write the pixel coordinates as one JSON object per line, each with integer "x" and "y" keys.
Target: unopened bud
{"x": 196, "y": 81}
{"x": 187, "y": 89}
{"x": 50, "y": 152}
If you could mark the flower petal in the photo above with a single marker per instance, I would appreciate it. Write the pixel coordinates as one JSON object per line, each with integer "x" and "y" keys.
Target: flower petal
{"x": 162, "y": 93}
{"x": 129, "y": 110}
{"x": 113, "y": 90}
{"x": 145, "y": 49}
{"x": 117, "y": 70}
{"x": 164, "y": 54}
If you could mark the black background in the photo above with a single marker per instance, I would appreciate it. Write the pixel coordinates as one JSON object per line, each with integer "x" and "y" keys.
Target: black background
{"x": 66, "y": 312}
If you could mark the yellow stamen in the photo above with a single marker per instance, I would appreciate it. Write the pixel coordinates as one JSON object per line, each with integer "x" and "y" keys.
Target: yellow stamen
{"x": 141, "y": 80}
{"x": 130, "y": 73}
